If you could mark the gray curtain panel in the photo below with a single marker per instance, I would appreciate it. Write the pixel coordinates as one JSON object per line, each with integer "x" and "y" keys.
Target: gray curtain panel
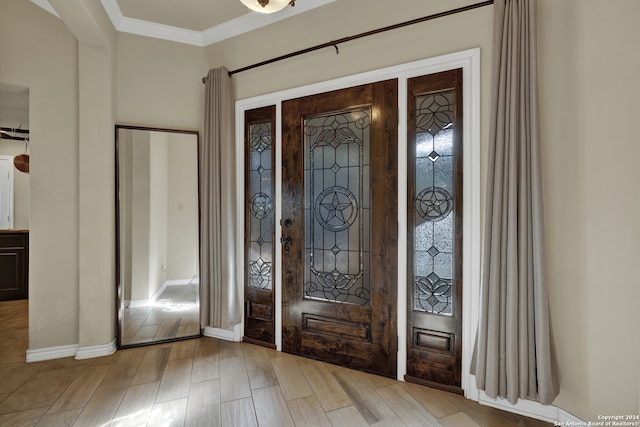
{"x": 220, "y": 297}
{"x": 514, "y": 355}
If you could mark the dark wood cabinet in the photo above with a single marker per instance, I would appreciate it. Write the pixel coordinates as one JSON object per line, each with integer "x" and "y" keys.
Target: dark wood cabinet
{"x": 14, "y": 265}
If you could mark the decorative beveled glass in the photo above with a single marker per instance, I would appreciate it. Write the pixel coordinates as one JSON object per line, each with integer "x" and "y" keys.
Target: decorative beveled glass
{"x": 261, "y": 220}
{"x": 434, "y": 203}
{"x": 337, "y": 207}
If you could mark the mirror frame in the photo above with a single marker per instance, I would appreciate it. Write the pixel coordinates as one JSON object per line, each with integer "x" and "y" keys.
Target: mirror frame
{"x": 119, "y": 290}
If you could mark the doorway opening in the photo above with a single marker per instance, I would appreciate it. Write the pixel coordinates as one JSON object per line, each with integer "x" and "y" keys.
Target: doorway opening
{"x": 468, "y": 63}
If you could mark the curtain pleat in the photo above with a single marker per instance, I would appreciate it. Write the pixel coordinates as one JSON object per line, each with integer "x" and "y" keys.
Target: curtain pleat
{"x": 514, "y": 355}
{"x": 220, "y": 297}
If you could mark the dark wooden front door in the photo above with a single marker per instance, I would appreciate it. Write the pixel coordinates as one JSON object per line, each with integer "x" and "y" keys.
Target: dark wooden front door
{"x": 434, "y": 151}
{"x": 339, "y": 227}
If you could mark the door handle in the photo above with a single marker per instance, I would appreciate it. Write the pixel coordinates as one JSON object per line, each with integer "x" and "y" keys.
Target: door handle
{"x": 286, "y": 223}
{"x": 286, "y": 242}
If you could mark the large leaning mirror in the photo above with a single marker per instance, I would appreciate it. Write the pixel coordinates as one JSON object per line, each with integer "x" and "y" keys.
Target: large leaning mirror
{"x": 157, "y": 260}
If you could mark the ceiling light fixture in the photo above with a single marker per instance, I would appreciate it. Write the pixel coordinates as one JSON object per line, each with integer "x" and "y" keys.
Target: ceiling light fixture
{"x": 267, "y": 6}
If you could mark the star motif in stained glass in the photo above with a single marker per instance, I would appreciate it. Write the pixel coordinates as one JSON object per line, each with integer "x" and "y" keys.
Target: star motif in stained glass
{"x": 335, "y": 209}
{"x": 434, "y": 203}
{"x": 261, "y": 205}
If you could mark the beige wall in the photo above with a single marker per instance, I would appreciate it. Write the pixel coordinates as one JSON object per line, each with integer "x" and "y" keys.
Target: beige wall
{"x": 589, "y": 90}
{"x": 588, "y": 68}
{"x": 182, "y": 208}
{"x": 44, "y": 58}
{"x": 157, "y": 215}
{"x": 125, "y": 173}
{"x": 139, "y": 219}
{"x": 159, "y": 83}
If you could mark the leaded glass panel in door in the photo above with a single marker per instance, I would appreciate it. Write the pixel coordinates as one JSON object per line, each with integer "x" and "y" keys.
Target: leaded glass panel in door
{"x": 337, "y": 207}
{"x": 260, "y": 206}
{"x": 434, "y": 201}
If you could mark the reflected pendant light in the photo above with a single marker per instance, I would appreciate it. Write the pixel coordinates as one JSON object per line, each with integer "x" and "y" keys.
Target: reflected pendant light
{"x": 267, "y": 6}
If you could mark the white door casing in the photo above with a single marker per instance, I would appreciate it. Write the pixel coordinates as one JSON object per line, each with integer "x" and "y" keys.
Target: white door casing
{"x": 469, "y": 61}
{"x": 6, "y": 192}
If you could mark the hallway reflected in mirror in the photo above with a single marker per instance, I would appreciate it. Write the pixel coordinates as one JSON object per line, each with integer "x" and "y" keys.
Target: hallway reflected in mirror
{"x": 158, "y": 234}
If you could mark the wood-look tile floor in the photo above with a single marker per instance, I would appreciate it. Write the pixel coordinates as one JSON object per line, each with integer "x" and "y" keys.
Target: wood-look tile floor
{"x": 206, "y": 382}
{"x": 175, "y": 314}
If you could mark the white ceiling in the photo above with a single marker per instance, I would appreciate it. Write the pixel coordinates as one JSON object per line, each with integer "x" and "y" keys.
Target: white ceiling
{"x": 194, "y": 22}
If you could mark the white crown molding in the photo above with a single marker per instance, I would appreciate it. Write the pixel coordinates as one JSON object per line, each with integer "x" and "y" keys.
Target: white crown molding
{"x": 215, "y": 34}
{"x": 46, "y": 6}
{"x": 113, "y": 12}
{"x": 160, "y": 31}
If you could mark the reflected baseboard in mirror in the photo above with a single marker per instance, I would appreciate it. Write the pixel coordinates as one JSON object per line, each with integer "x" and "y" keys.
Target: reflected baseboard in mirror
{"x": 157, "y": 240}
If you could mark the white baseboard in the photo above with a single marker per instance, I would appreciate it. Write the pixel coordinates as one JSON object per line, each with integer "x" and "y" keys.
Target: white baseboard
{"x": 50, "y": 353}
{"x": 234, "y": 334}
{"x": 529, "y": 408}
{"x": 566, "y": 418}
{"x": 74, "y": 350}
{"x": 96, "y": 351}
{"x": 180, "y": 282}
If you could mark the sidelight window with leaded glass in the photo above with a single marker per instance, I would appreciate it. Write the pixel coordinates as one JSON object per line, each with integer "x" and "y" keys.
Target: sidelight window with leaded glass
{"x": 261, "y": 218}
{"x": 434, "y": 202}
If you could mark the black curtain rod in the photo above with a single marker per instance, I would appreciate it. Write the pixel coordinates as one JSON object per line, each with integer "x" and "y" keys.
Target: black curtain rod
{"x": 335, "y": 43}
{"x": 4, "y": 135}
{"x": 14, "y": 138}
{"x": 14, "y": 130}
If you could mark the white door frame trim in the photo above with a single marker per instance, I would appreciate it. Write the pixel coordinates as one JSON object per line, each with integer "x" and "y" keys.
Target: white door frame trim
{"x": 469, "y": 61}
{"x": 10, "y": 209}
